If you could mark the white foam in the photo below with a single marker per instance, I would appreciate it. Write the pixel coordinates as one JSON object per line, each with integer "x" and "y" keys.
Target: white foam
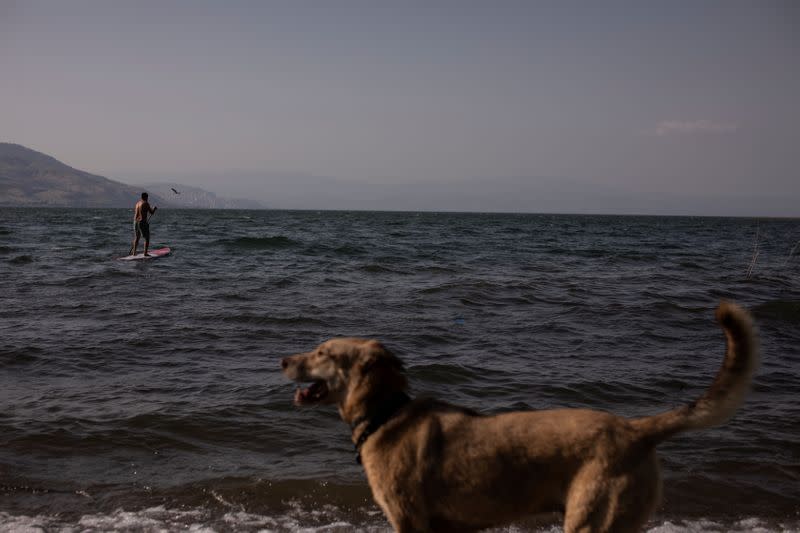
{"x": 324, "y": 519}
{"x": 749, "y": 525}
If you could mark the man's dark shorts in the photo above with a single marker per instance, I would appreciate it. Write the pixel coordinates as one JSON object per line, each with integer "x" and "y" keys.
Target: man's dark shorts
{"x": 142, "y": 228}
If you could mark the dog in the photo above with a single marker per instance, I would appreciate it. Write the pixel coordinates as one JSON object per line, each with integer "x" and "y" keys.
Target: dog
{"x": 436, "y": 467}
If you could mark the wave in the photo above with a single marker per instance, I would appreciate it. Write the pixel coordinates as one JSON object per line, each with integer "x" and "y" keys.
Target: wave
{"x": 450, "y": 374}
{"x": 237, "y": 297}
{"x": 586, "y": 253}
{"x": 475, "y": 285}
{"x": 436, "y": 269}
{"x": 298, "y": 517}
{"x": 291, "y": 505}
{"x": 380, "y": 269}
{"x": 266, "y": 319}
{"x": 606, "y": 392}
{"x": 14, "y": 358}
{"x": 110, "y": 273}
{"x": 783, "y": 310}
{"x": 691, "y": 265}
{"x": 21, "y": 260}
{"x": 260, "y": 243}
{"x": 349, "y": 251}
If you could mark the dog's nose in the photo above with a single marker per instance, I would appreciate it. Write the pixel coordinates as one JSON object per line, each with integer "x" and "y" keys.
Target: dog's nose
{"x": 284, "y": 363}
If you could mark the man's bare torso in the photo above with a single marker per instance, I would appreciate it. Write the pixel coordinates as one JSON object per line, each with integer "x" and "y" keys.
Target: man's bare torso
{"x": 140, "y": 211}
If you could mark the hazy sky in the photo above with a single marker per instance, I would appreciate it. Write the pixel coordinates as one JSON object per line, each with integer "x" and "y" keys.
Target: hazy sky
{"x": 494, "y": 105}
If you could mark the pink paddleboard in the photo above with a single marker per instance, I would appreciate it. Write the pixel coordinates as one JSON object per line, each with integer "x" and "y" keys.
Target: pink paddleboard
{"x": 152, "y": 254}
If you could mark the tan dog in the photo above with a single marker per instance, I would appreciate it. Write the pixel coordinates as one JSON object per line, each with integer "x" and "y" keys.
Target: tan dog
{"x": 437, "y": 467}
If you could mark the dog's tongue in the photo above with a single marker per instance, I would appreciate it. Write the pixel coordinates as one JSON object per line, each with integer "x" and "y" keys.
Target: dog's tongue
{"x": 301, "y": 395}
{"x": 310, "y": 393}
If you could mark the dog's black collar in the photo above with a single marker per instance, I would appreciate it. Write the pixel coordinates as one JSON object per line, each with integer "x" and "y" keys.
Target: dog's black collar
{"x": 383, "y": 414}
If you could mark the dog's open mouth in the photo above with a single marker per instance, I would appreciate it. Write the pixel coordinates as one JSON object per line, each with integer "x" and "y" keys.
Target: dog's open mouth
{"x": 314, "y": 393}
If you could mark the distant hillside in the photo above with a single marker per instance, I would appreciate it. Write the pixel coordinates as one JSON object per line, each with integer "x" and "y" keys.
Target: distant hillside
{"x": 196, "y": 198}
{"x": 32, "y": 179}
{"x": 29, "y": 178}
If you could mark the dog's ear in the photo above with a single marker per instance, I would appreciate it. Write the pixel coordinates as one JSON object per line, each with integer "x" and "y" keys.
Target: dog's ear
{"x": 376, "y": 374}
{"x": 376, "y": 356}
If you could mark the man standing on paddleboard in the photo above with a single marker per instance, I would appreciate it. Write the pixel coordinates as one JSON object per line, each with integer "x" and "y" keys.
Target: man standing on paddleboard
{"x": 141, "y": 226}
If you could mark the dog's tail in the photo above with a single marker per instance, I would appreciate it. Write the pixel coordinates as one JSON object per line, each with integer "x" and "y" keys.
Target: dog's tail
{"x": 726, "y": 392}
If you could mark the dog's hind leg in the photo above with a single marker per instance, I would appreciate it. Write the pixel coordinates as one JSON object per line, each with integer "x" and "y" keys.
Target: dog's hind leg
{"x": 586, "y": 513}
{"x": 408, "y": 523}
{"x": 587, "y": 501}
{"x": 600, "y": 503}
{"x": 636, "y": 496}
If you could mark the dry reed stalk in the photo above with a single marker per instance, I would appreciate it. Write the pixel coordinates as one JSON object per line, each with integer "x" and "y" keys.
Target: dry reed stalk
{"x": 756, "y": 251}
{"x": 791, "y": 253}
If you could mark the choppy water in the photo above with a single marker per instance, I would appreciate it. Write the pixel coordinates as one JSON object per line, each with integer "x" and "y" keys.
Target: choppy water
{"x": 147, "y": 395}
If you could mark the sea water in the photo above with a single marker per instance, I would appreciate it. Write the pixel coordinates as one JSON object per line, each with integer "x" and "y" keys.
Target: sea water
{"x": 148, "y": 395}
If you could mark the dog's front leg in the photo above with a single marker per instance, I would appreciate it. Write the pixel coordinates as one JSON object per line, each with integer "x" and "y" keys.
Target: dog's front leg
{"x": 414, "y": 490}
{"x": 406, "y": 524}
{"x": 405, "y": 516}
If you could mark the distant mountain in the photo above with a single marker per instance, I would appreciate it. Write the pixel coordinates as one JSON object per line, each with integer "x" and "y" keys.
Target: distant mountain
{"x": 32, "y": 179}
{"x": 196, "y": 198}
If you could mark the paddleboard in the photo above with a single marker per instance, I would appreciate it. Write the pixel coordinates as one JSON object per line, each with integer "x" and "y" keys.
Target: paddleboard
{"x": 152, "y": 254}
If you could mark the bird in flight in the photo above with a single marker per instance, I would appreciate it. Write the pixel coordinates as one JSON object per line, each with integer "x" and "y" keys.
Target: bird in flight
{"x": 173, "y": 190}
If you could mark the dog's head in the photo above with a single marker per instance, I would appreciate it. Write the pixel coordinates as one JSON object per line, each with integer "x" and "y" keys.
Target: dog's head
{"x": 345, "y": 371}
